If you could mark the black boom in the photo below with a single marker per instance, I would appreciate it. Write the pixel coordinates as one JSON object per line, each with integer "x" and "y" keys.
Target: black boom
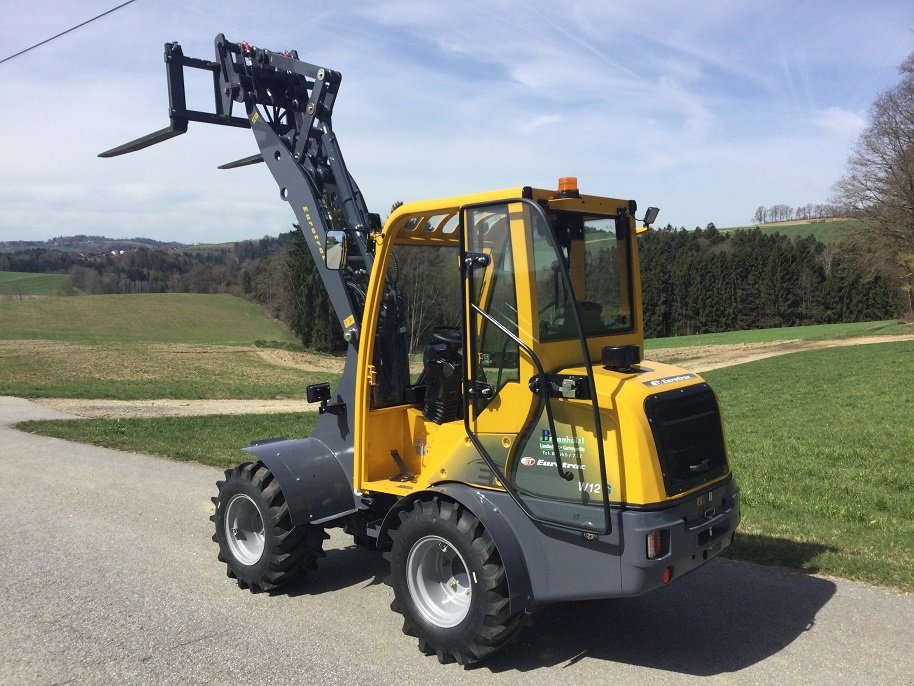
{"x": 288, "y": 104}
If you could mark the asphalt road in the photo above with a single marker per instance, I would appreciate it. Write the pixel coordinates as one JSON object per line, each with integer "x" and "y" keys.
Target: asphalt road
{"x": 109, "y": 576}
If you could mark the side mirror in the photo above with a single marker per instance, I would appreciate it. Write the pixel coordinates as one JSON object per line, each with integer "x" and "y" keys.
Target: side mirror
{"x": 650, "y": 216}
{"x": 335, "y": 250}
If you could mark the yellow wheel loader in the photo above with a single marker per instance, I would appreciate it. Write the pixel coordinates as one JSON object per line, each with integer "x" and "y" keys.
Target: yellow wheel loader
{"x": 496, "y": 431}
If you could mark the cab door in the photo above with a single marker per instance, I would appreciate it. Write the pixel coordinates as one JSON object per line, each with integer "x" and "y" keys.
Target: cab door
{"x": 532, "y": 440}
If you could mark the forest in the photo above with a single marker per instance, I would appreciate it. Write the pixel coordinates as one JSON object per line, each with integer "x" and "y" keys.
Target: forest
{"x": 705, "y": 281}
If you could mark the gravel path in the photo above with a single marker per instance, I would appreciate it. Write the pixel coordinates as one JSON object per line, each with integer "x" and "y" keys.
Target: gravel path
{"x": 113, "y": 409}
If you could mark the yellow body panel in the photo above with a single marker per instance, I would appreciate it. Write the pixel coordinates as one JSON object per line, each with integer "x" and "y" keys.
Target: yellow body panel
{"x": 437, "y": 453}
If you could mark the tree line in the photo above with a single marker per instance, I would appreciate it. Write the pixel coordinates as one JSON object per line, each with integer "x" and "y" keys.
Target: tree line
{"x": 705, "y": 281}
{"x": 786, "y": 213}
{"x": 236, "y": 269}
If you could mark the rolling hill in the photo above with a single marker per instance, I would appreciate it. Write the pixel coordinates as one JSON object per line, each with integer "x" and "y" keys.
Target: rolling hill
{"x": 831, "y": 230}
{"x": 164, "y": 318}
{"x": 24, "y": 283}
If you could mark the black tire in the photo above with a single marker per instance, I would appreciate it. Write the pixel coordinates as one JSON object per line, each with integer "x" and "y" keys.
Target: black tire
{"x": 260, "y": 560}
{"x": 449, "y": 583}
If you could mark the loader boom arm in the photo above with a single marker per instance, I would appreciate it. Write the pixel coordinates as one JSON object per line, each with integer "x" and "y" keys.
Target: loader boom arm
{"x": 289, "y": 105}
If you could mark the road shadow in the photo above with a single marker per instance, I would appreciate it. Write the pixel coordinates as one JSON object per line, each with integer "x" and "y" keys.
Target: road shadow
{"x": 722, "y": 618}
{"x": 770, "y": 550}
{"x": 339, "y": 569}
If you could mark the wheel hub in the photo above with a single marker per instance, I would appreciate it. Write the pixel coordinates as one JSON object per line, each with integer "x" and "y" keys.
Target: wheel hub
{"x": 438, "y": 581}
{"x": 244, "y": 531}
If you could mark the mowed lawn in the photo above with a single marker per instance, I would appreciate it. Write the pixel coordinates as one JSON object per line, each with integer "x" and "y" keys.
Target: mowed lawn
{"x": 822, "y": 443}
{"x": 137, "y": 347}
{"x": 215, "y": 440}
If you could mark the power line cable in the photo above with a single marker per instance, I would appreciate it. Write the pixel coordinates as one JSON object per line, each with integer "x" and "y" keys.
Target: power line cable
{"x": 63, "y": 33}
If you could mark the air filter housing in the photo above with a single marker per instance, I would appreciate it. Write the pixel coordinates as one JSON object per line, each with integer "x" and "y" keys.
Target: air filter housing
{"x": 621, "y": 358}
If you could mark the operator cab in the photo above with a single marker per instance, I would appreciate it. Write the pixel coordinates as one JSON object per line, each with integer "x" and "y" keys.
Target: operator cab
{"x": 511, "y": 295}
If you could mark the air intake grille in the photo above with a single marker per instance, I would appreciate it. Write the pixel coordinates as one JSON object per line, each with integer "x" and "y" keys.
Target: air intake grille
{"x": 688, "y": 435}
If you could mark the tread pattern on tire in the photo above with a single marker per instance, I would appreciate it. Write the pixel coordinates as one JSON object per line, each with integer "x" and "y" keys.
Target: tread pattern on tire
{"x": 498, "y": 624}
{"x": 290, "y": 550}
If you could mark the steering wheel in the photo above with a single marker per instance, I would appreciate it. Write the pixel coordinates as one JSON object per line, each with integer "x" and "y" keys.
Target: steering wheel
{"x": 450, "y": 335}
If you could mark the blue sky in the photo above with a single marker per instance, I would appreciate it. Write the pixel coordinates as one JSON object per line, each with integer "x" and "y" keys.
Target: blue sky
{"x": 705, "y": 109}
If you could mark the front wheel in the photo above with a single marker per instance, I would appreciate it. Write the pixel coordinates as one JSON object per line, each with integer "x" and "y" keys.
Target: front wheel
{"x": 449, "y": 583}
{"x": 260, "y": 546}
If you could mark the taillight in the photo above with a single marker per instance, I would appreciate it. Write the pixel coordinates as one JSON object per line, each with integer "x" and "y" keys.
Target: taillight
{"x": 654, "y": 545}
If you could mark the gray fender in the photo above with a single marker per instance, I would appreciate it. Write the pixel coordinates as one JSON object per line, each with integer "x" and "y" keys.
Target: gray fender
{"x": 312, "y": 479}
{"x": 493, "y": 509}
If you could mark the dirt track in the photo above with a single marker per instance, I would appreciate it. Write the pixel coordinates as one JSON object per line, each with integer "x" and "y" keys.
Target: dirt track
{"x": 699, "y": 358}
{"x": 119, "y": 409}
{"x": 703, "y": 358}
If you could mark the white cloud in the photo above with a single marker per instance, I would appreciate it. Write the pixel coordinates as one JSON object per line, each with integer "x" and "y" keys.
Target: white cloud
{"x": 843, "y": 124}
{"x": 538, "y": 122}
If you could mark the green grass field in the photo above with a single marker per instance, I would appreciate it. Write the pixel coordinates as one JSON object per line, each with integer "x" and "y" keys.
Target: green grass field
{"x": 823, "y": 446}
{"x": 212, "y": 440}
{"x": 44, "y": 369}
{"x": 825, "y": 232}
{"x": 822, "y": 442}
{"x": 138, "y": 347}
{"x": 22, "y": 283}
{"x": 168, "y": 318}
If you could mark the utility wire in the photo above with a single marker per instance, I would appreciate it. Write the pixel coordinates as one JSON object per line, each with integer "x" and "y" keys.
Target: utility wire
{"x": 63, "y": 33}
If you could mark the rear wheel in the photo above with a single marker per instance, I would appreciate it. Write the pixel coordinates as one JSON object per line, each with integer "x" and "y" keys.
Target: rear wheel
{"x": 260, "y": 546}
{"x": 449, "y": 583}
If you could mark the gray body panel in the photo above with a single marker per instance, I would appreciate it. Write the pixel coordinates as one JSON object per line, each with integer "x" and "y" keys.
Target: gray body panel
{"x": 700, "y": 528}
{"x": 546, "y": 564}
{"x": 312, "y": 479}
{"x": 335, "y": 429}
{"x": 315, "y": 473}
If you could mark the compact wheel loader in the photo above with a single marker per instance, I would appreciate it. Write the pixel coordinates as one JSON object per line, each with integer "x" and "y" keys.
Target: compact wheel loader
{"x": 496, "y": 430}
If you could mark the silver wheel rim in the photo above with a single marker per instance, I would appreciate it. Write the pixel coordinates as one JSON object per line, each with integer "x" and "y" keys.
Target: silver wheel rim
{"x": 438, "y": 581}
{"x": 244, "y": 529}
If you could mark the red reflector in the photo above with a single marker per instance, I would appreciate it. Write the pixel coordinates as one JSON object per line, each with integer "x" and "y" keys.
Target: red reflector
{"x": 654, "y": 545}
{"x": 667, "y": 575}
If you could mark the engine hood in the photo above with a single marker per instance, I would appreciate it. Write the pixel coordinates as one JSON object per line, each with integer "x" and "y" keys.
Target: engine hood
{"x": 666, "y": 423}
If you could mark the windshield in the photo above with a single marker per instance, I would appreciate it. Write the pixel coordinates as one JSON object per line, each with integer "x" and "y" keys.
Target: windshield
{"x": 597, "y": 262}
